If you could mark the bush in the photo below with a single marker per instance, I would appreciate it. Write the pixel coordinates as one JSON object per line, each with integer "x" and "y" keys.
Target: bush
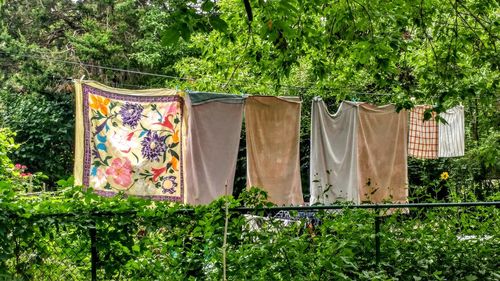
{"x": 44, "y": 126}
{"x": 144, "y": 240}
{"x": 7, "y": 146}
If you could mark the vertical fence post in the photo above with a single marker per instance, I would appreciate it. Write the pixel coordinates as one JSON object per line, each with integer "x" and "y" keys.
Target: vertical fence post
{"x": 93, "y": 251}
{"x": 377, "y": 239}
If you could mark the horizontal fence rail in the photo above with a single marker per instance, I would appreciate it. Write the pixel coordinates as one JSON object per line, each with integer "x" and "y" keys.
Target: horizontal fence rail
{"x": 367, "y": 206}
{"x": 93, "y": 237}
{"x": 291, "y": 208}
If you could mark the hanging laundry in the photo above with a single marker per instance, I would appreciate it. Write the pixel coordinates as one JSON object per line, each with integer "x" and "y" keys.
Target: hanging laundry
{"x": 382, "y": 154}
{"x": 423, "y": 134}
{"x": 452, "y": 133}
{"x": 214, "y": 130}
{"x": 130, "y": 141}
{"x": 272, "y": 132}
{"x": 333, "y": 168}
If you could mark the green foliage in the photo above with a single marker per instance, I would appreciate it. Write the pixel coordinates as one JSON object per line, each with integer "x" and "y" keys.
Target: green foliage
{"x": 146, "y": 240}
{"x": 7, "y": 145}
{"x": 42, "y": 127}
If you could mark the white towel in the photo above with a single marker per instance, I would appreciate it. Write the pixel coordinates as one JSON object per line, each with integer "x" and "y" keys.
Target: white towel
{"x": 334, "y": 167}
{"x": 452, "y": 133}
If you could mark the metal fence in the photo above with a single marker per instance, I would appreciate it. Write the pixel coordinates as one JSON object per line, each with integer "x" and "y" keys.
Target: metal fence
{"x": 71, "y": 246}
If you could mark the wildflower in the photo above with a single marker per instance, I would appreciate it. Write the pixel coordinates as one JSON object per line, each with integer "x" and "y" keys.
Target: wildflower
{"x": 444, "y": 175}
{"x": 18, "y": 166}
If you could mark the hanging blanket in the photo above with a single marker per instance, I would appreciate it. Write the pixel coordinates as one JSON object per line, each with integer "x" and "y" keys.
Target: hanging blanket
{"x": 382, "y": 152}
{"x": 423, "y": 134}
{"x": 452, "y": 133}
{"x": 130, "y": 141}
{"x": 214, "y": 135}
{"x": 334, "y": 171}
{"x": 272, "y": 131}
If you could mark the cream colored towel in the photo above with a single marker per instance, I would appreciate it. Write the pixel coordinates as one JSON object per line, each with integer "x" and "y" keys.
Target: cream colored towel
{"x": 334, "y": 161}
{"x": 272, "y": 132}
{"x": 452, "y": 133}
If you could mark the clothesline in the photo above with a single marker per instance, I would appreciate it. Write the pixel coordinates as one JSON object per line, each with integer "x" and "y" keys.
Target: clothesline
{"x": 154, "y": 145}
{"x": 238, "y": 84}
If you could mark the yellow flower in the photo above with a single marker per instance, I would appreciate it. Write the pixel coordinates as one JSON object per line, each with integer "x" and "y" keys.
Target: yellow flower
{"x": 444, "y": 175}
{"x": 175, "y": 163}
{"x": 175, "y": 137}
{"x": 99, "y": 103}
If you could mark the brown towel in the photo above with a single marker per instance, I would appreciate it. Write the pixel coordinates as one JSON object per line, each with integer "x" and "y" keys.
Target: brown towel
{"x": 382, "y": 154}
{"x": 272, "y": 131}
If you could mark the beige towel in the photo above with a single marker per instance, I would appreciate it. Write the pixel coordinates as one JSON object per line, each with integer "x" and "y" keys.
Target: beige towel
{"x": 382, "y": 154}
{"x": 212, "y": 150}
{"x": 272, "y": 131}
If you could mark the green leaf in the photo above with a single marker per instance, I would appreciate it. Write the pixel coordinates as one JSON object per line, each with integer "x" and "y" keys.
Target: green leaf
{"x": 170, "y": 36}
{"x": 207, "y": 6}
{"x": 174, "y": 154}
{"x": 218, "y": 24}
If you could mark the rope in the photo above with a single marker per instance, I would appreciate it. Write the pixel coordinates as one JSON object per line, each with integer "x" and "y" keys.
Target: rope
{"x": 112, "y": 68}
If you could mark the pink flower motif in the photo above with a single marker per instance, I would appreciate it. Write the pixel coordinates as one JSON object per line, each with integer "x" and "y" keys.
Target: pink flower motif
{"x": 120, "y": 171}
{"x": 24, "y": 167}
{"x": 18, "y": 166}
{"x": 171, "y": 108}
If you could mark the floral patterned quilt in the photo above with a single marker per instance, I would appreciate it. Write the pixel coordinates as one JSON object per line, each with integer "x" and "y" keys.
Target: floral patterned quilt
{"x": 129, "y": 141}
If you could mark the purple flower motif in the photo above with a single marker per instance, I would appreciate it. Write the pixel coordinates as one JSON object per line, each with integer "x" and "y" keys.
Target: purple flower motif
{"x": 153, "y": 146}
{"x": 131, "y": 114}
{"x": 173, "y": 185}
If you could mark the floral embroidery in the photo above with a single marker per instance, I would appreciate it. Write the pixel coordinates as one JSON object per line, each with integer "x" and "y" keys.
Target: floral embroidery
{"x": 120, "y": 171}
{"x": 133, "y": 144}
{"x": 131, "y": 114}
{"x": 157, "y": 173}
{"x": 100, "y": 104}
{"x": 170, "y": 185}
{"x": 123, "y": 141}
{"x": 153, "y": 146}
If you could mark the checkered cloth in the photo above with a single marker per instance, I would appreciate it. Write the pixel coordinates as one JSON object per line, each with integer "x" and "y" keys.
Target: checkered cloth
{"x": 423, "y": 135}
